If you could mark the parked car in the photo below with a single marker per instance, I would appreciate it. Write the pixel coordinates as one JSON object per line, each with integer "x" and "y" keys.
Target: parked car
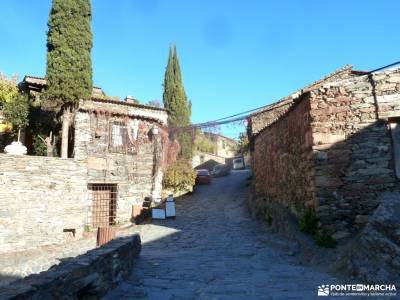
{"x": 220, "y": 170}
{"x": 203, "y": 177}
{"x": 238, "y": 163}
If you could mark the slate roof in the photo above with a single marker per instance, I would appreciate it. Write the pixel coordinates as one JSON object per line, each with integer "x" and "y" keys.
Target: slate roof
{"x": 98, "y": 94}
{"x": 282, "y": 106}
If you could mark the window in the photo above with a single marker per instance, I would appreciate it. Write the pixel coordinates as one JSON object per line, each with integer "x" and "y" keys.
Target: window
{"x": 395, "y": 132}
{"x": 118, "y": 137}
{"x": 123, "y": 136}
{"x": 103, "y": 199}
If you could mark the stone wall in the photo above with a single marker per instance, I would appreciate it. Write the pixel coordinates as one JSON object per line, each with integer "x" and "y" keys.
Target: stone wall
{"x": 283, "y": 170}
{"x": 40, "y": 197}
{"x": 271, "y": 113}
{"x": 353, "y": 148}
{"x": 332, "y": 150}
{"x": 133, "y": 169}
{"x": 88, "y": 276}
{"x": 374, "y": 255}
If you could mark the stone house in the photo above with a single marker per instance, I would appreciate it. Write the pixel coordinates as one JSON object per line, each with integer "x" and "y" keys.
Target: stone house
{"x": 119, "y": 152}
{"x": 122, "y": 144}
{"x": 332, "y": 146}
{"x": 224, "y": 148}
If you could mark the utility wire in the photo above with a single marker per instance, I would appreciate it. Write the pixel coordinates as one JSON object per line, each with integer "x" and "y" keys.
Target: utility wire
{"x": 231, "y": 118}
{"x": 385, "y": 67}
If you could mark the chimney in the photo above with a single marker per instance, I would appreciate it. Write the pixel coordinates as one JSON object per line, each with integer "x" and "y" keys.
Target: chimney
{"x": 130, "y": 99}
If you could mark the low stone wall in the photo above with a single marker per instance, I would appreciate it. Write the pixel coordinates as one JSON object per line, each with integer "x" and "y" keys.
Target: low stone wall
{"x": 40, "y": 198}
{"x": 88, "y": 276}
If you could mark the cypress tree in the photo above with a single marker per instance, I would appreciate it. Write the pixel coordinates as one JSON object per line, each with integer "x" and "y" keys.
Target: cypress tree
{"x": 69, "y": 66}
{"x": 175, "y": 101}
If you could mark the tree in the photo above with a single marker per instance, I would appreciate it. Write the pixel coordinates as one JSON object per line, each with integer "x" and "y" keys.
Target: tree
{"x": 16, "y": 112}
{"x": 243, "y": 143}
{"x": 8, "y": 88}
{"x": 14, "y": 105}
{"x": 203, "y": 143}
{"x": 69, "y": 66}
{"x": 176, "y": 103}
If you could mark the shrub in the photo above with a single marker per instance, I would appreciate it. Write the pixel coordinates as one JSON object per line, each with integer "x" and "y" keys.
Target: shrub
{"x": 8, "y": 88}
{"x": 179, "y": 176}
{"x": 308, "y": 222}
{"x": 203, "y": 143}
{"x": 16, "y": 112}
{"x": 39, "y": 147}
{"x": 324, "y": 239}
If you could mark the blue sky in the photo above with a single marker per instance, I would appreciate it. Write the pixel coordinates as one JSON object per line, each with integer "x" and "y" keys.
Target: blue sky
{"x": 235, "y": 55}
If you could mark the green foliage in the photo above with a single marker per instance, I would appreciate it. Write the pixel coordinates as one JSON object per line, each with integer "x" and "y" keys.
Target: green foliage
{"x": 42, "y": 122}
{"x": 204, "y": 144}
{"x": 185, "y": 141}
{"x": 174, "y": 96}
{"x": 39, "y": 147}
{"x": 308, "y": 222}
{"x": 69, "y": 43}
{"x": 8, "y": 89}
{"x": 180, "y": 176}
{"x": 16, "y": 111}
{"x": 243, "y": 143}
{"x": 325, "y": 240}
{"x": 176, "y": 102}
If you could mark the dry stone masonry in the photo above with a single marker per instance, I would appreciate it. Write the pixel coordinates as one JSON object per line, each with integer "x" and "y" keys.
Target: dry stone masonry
{"x": 119, "y": 154}
{"x": 331, "y": 150}
{"x": 43, "y": 201}
{"x": 87, "y": 276}
{"x": 132, "y": 165}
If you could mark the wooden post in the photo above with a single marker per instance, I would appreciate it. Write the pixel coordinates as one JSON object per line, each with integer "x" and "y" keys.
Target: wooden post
{"x": 104, "y": 235}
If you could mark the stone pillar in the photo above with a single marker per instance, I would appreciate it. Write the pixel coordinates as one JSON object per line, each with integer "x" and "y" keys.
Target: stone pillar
{"x": 157, "y": 170}
{"x": 83, "y": 135}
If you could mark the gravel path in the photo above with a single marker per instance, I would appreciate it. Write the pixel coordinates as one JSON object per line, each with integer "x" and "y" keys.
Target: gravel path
{"x": 213, "y": 250}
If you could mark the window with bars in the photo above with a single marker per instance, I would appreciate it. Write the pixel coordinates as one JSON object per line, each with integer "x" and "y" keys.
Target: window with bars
{"x": 103, "y": 205}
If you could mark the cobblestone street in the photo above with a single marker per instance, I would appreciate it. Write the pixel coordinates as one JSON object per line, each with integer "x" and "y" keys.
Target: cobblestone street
{"x": 213, "y": 250}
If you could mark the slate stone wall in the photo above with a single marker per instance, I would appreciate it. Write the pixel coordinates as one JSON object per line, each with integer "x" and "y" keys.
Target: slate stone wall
{"x": 88, "y": 276}
{"x": 40, "y": 197}
{"x": 332, "y": 151}
{"x": 271, "y": 113}
{"x": 353, "y": 148}
{"x": 133, "y": 170}
{"x": 283, "y": 168}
